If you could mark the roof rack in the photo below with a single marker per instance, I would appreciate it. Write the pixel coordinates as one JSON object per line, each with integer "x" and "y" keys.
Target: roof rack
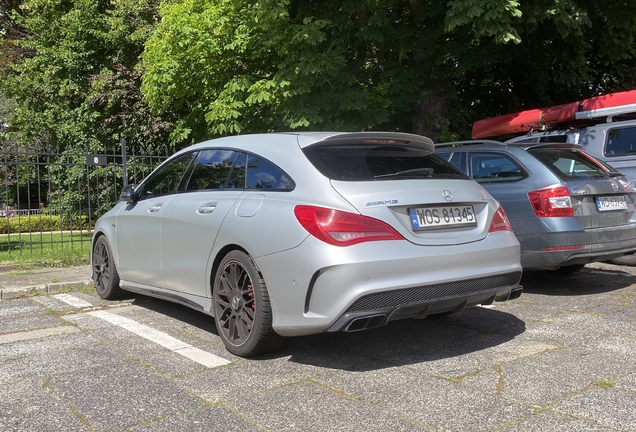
{"x": 606, "y": 112}
{"x": 601, "y": 108}
{"x": 469, "y": 142}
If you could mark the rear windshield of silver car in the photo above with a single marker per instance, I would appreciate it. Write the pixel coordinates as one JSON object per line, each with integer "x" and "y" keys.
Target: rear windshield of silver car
{"x": 368, "y": 162}
{"x": 569, "y": 164}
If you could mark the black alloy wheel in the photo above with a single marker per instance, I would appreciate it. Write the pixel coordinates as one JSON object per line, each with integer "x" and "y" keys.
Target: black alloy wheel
{"x": 242, "y": 311}
{"x": 105, "y": 273}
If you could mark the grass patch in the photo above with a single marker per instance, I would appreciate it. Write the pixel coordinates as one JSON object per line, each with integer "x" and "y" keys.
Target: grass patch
{"x": 25, "y": 251}
{"x": 605, "y": 383}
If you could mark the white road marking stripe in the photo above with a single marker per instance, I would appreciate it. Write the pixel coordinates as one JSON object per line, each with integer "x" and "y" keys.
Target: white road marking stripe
{"x": 37, "y": 334}
{"x": 163, "y": 339}
{"x": 73, "y": 301}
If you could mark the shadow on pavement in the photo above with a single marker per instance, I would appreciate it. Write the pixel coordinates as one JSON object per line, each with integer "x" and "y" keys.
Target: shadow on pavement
{"x": 407, "y": 341}
{"x": 399, "y": 343}
{"x": 586, "y": 281}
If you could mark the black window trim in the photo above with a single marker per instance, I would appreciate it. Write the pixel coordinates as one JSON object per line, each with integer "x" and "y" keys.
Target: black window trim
{"x": 605, "y": 142}
{"x": 466, "y": 164}
{"x": 186, "y": 173}
{"x": 241, "y": 151}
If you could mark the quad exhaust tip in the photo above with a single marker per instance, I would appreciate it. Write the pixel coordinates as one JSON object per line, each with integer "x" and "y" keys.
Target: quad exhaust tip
{"x": 364, "y": 323}
{"x": 515, "y": 293}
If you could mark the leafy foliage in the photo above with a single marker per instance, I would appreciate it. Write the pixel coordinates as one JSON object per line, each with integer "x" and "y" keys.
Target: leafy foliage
{"x": 75, "y": 86}
{"x": 218, "y": 67}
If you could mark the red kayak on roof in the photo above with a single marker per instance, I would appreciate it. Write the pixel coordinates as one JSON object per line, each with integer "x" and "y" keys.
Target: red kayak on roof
{"x": 523, "y": 121}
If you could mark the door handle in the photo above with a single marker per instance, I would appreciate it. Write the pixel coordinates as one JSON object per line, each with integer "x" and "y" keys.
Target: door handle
{"x": 155, "y": 208}
{"x": 207, "y": 208}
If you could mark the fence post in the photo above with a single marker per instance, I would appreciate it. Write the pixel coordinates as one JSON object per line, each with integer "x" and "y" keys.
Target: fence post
{"x": 123, "y": 161}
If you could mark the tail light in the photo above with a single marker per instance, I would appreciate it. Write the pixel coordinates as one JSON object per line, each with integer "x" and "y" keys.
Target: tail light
{"x": 341, "y": 228}
{"x": 500, "y": 221}
{"x": 554, "y": 202}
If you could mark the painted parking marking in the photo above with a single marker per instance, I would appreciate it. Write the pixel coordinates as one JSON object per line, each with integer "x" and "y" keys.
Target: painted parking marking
{"x": 175, "y": 345}
{"x": 72, "y": 300}
{"x": 165, "y": 340}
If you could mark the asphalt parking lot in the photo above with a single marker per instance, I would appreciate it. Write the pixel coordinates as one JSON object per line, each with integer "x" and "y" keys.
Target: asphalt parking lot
{"x": 559, "y": 358}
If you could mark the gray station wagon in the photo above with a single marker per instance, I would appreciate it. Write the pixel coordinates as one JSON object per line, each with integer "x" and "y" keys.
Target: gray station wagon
{"x": 566, "y": 207}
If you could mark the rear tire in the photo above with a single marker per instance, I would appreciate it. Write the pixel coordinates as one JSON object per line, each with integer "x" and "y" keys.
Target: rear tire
{"x": 628, "y": 260}
{"x": 568, "y": 269}
{"x": 105, "y": 273}
{"x": 242, "y": 311}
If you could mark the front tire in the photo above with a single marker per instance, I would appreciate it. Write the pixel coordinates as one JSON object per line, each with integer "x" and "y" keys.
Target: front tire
{"x": 105, "y": 273}
{"x": 242, "y": 311}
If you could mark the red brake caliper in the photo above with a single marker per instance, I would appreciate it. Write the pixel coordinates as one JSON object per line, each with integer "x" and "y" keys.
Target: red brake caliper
{"x": 251, "y": 288}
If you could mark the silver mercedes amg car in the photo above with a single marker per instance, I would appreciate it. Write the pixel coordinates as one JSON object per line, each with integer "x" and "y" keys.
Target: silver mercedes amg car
{"x": 290, "y": 234}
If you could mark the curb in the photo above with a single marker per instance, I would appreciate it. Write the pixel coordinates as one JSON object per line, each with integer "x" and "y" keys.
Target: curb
{"x": 49, "y": 288}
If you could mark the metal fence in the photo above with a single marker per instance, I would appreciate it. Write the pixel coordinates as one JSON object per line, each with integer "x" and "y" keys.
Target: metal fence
{"x": 50, "y": 198}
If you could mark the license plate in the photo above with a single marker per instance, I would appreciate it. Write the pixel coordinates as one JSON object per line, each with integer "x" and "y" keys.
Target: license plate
{"x": 607, "y": 203}
{"x": 443, "y": 217}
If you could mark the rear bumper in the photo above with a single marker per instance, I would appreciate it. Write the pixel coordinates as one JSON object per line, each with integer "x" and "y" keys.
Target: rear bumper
{"x": 317, "y": 287}
{"x": 379, "y": 309}
{"x": 596, "y": 245}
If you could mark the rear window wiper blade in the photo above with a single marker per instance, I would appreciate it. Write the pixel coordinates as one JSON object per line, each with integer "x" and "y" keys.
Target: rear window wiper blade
{"x": 416, "y": 172}
{"x": 613, "y": 174}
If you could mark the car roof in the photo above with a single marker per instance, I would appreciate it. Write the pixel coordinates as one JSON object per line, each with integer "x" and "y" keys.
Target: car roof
{"x": 305, "y": 139}
{"x": 492, "y": 144}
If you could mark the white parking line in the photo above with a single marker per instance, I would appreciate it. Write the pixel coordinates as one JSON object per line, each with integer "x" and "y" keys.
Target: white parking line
{"x": 73, "y": 301}
{"x": 153, "y": 335}
{"x": 163, "y": 339}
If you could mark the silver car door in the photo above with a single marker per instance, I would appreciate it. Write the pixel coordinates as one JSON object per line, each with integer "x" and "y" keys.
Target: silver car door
{"x": 138, "y": 230}
{"x": 192, "y": 219}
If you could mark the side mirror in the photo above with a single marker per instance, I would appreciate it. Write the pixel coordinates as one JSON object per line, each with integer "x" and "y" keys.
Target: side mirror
{"x": 128, "y": 195}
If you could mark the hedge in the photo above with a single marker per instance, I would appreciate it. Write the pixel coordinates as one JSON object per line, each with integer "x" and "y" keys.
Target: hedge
{"x": 42, "y": 223}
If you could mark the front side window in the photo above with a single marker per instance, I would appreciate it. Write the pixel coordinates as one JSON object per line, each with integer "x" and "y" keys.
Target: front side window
{"x": 620, "y": 142}
{"x": 490, "y": 167}
{"x": 368, "y": 162}
{"x": 212, "y": 170}
{"x": 166, "y": 179}
{"x": 569, "y": 164}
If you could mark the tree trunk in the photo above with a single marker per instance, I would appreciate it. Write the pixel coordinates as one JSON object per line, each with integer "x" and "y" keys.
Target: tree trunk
{"x": 430, "y": 114}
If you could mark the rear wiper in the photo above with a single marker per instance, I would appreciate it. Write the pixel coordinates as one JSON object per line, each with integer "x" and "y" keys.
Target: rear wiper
{"x": 416, "y": 172}
{"x": 613, "y": 174}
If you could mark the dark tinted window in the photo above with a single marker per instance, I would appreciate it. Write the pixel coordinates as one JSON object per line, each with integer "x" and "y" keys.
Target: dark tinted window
{"x": 620, "y": 142}
{"x": 366, "y": 162}
{"x": 212, "y": 169}
{"x": 554, "y": 139}
{"x": 166, "y": 180}
{"x": 237, "y": 176}
{"x": 569, "y": 164}
{"x": 490, "y": 167}
{"x": 262, "y": 174}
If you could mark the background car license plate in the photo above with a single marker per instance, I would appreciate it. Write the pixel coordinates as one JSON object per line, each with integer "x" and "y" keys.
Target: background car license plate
{"x": 605, "y": 203}
{"x": 443, "y": 216}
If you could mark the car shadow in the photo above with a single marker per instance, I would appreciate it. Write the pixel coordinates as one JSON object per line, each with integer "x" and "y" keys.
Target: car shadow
{"x": 176, "y": 311}
{"x": 584, "y": 282}
{"x": 401, "y": 342}
{"x": 406, "y": 342}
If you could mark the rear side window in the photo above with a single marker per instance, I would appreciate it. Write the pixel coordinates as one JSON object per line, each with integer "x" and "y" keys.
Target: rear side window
{"x": 457, "y": 159}
{"x": 367, "y": 162}
{"x": 620, "y": 142}
{"x": 569, "y": 164}
{"x": 491, "y": 167}
{"x": 262, "y": 174}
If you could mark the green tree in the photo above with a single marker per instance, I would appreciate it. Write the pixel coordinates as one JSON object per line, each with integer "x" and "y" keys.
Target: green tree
{"x": 233, "y": 66}
{"x": 74, "y": 81}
